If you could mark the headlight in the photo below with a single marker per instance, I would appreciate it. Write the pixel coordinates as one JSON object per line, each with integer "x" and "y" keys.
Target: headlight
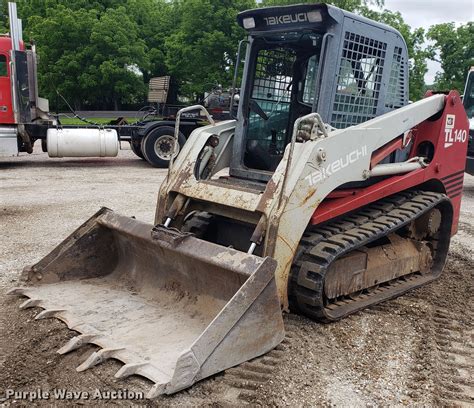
{"x": 314, "y": 16}
{"x": 249, "y": 23}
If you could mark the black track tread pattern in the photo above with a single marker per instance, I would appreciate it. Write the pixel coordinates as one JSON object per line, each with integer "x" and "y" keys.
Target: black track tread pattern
{"x": 320, "y": 246}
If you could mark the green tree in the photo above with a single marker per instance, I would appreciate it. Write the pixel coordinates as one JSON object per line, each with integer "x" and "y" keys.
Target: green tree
{"x": 414, "y": 39}
{"x": 3, "y": 17}
{"x": 62, "y": 36}
{"x": 91, "y": 57}
{"x": 453, "y": 48}
{"x": 27, "y": 8}
{"x": 349, "y": 5}
{"x": 115, "y": 55}
{"x": 155, "y": 22}
{"x": 201, "y": 51}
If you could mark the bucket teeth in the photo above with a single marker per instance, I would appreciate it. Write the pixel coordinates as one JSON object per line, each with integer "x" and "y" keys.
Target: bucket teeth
{"x": 129, "y": 369}
{"x": 76, "y": 342}
{"x": 45, "y": 314}
{"x": 17, "y": 291}
{"x": 155, "y": 391}
{"x": 98, "y": 357}
{"x": 30, "y": 303}
{"x": 84, "y": 328}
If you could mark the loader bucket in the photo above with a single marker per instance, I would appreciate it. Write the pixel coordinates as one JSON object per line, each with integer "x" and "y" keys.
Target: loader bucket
{"x": 173, "y": 308}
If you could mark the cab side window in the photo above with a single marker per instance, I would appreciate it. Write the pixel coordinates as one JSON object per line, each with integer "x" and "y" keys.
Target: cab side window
{"x": 3, "y": 66}
{"x": 309, "y": 90}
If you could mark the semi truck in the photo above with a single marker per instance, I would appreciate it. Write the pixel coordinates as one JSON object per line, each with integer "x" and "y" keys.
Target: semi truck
{"x": 25, "y": 117}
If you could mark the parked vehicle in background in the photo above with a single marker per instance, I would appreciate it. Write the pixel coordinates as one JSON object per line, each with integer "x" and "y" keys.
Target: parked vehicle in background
{"x": 25, "y": 117}
{"x": 468, "y": 101}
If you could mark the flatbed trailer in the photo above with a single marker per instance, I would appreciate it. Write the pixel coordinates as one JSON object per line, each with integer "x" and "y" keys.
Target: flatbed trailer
{"x": 151, "y": 140}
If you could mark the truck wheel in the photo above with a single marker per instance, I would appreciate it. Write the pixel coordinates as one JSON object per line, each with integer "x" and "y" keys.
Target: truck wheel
{"x": 137, "y": 149}
{"x": 158, "y": 145}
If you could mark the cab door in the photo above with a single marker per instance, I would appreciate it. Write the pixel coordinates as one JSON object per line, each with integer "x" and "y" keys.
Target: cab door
{"x": 6, "y": 109}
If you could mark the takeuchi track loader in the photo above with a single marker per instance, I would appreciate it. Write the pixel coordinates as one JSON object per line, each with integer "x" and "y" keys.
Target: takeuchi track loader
{"x": 328, "y": 193}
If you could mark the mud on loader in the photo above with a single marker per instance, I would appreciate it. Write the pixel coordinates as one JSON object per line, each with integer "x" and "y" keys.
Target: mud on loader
{"x": 327, "y": 194}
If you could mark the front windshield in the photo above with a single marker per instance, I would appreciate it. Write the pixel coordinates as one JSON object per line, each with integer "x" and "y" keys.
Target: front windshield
{"x": 469, "y": 95}
{"x": 283, "y": 87}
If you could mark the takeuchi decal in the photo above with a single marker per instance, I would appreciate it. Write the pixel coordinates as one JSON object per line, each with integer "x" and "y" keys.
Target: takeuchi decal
{"x": 286, "y": 19}
{"x": 337, "y": 165}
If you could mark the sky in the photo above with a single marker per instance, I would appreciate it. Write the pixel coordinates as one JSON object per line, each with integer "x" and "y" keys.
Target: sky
{"x": 425, "y": 13}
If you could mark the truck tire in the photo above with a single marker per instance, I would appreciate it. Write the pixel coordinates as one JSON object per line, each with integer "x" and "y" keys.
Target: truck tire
{"x": 158, "y": 144}
{"x": 137, "y": 149}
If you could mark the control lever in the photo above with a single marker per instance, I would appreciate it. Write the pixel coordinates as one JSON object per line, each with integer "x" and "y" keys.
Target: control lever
{"x": 273, "y": 143}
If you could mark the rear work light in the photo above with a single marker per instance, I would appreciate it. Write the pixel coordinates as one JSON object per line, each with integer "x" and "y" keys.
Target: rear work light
{"x": 249, "y": 23}
{"x": 314, "y": 16}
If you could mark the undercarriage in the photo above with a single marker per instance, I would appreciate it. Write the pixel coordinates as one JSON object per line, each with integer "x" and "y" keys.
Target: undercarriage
{"x": 374, "y": 254}
{"x": 360, "y": 259}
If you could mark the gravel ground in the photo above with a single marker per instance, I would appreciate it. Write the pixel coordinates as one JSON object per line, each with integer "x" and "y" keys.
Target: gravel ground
{"x": 416, "y": 350}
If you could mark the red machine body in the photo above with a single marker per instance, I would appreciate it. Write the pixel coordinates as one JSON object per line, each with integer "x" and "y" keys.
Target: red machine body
{"x": 444, "y": 136}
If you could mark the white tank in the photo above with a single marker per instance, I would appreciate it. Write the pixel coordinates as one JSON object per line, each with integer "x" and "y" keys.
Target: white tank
{"x": 69, "y": 142}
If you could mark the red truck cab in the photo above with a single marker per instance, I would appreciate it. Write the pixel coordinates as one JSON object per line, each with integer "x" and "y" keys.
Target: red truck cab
{"x": 6, "y": 107}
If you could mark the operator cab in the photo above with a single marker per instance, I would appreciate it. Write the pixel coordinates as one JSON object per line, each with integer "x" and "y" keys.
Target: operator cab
{"x": 282, "y": 90}
{"x": 311, "y": 58}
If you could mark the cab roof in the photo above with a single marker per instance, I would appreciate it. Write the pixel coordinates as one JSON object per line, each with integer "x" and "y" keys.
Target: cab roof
{"x": 6, "y": 44}
{"x": 316, "y": 16}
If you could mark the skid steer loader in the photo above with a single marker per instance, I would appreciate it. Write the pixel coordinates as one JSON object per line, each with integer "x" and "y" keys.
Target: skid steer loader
{"x": 327, "y": 194}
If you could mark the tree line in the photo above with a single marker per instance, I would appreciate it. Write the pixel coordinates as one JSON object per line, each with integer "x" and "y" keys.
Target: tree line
{"x": 100, "y": 54}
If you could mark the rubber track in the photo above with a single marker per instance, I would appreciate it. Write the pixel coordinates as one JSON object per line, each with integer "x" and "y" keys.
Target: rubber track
{"x": 323, "y": 245}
